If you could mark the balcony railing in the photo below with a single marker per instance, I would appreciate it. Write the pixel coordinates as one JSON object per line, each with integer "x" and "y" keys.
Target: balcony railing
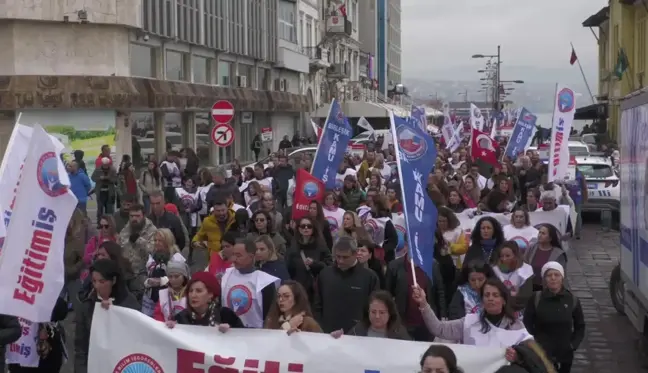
{"x": 317, "y": 53}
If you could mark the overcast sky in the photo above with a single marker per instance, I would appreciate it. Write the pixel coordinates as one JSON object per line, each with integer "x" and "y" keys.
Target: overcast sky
{"x": 439, "y": 36}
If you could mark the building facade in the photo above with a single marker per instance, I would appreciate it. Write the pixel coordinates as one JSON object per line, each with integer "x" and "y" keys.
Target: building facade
{"x": 394, "y": 71}
{"x": 621, "y": 26}
{"x": 142, "y": 75}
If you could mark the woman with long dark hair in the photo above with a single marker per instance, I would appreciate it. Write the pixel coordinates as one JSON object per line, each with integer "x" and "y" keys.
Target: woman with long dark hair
{"x": 149, "y": 183}
{"x": 316, "y": 213}
{"x": 467, "y": 299}
{"x": 480, "y": 329}
{"x": 548, "y": 248}
{"x": 485, "y": 238}
{"x": 380, "y": 319}
{"x": 446, "y": 265}
{"x": 191, "y": 166}
{"x": 291, "y": 312}
{"x": 108, "y": 288}
{"x": 308, "y": 255}
{"x": 261, "y": 224}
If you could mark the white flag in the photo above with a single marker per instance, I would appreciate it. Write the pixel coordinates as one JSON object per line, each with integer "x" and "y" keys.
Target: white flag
{"x": 476, "y": 118}
{"x": 12, "y": 163}
{"x": 455, "y": 140}
{"x": 494, "y": 129}
{"x": 32, "y": 271}
{"x": 564, "y": 109}
{"x": 364, "y": 123}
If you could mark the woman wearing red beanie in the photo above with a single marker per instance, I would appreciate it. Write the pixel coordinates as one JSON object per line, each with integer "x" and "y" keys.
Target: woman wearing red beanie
{"x": 203, "y": 305}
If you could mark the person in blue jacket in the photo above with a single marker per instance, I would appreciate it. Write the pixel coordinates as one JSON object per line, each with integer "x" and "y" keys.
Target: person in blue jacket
{"x": 79, "y": 184}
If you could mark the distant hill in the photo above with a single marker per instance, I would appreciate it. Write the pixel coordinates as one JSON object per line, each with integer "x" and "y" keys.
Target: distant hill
{"x": 536, "y": 93}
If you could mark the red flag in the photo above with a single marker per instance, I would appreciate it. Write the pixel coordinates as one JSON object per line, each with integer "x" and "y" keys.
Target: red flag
{"x": 308, "y": 189}
{"x": 484, "y": 147}
{"x": 342, "y": 9}
{"x": 573, "y": 58}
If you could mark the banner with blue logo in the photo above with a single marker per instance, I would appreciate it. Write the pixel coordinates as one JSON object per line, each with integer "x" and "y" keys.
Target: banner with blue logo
{"x": 415, "y": 156}
{"x": 523, "y": 131}
{"x": 419, "y": 118}
{"x": 332, "y": 146}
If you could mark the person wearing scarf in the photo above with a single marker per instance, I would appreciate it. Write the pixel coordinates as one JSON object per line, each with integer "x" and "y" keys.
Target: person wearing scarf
{"x": 485, "y": 237}
{"x": 172, "y": 300}
{"x": 203, "y": 306}
{"x": 482, "y": 329}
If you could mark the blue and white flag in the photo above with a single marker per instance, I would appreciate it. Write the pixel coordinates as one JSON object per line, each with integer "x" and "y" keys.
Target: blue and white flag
{"x": 419, "y": 118}
{"x": 415, "y": 156}
{"x": 523, "y": 131}
{"x": 332, "y": 146}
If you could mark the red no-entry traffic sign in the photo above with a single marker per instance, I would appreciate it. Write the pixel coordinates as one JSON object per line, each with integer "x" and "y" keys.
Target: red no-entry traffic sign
{"x": 222, "y": 135}
{"x": 222, "y": 111}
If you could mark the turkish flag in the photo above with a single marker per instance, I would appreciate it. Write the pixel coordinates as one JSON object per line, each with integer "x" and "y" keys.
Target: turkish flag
{"x": 307, "y": 190}
{"x": 483, "y": 147}
{"x": 573, "y": 58}
{"x": 343, "y": 10}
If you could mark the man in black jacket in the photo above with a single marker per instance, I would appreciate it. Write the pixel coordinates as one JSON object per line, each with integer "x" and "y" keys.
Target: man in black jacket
{"x": 10, "y": 332}
{"x": 164, "y": 219}
{"x": 282, "y": 174}
{"x": 343, "y": 290}
{"x": 223, "y": 188}
{"x": 399, "y": 282}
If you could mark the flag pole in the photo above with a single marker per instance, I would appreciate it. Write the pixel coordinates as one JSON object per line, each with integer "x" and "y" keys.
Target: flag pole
{"x": 583, "y": 74}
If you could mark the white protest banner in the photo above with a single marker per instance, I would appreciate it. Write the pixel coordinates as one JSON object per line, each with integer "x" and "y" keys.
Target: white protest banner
{"x": 558, "y": 218}
{"x": 12, "y": 163}
{"x": 564, "y": 109}
{"x": 121, "y": 341}
{"x": 31, "y": 266}
{"x": 24, "y": 351}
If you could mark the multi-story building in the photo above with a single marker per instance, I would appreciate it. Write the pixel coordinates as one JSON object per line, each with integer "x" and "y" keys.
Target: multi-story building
{"x": 145, "y": 73}
{"x": 380, "y": 39}
{"x": 622, "y": 27}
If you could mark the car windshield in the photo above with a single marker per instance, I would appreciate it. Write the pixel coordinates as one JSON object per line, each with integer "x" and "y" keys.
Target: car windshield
{"x": 596, "y": 171}
{"x": 578, "y": 151}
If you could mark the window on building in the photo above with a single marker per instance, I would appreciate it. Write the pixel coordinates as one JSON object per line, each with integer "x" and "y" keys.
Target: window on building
{"x": 287, "y": 21}
{"x": 143, "y": 146}
{"x": 187, "y": 19}
{"x": 224, "y": 73}
{"x": 201, "y": 69}
{"x": 302, "y": 42}
{"x": 142, "y": 61}
{"x": 263, "y": 79}
{"x": 354, "y": 14}
{"x": 309, "y": 42}
{"x": 203, "y": 139}
{"x": 248, "y": 72}
{"x": 175, "y": 65}
{"x": 173, "y": 131}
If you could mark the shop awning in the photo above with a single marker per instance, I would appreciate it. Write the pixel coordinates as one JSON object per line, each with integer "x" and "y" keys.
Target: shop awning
{"x": 591, "y": 112}
{"x": 287, "y": 102}
{"x": 130, "y": 93}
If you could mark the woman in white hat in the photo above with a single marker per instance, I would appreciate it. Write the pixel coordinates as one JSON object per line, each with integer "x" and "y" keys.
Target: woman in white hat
{"x": 554, "y": 317}
{"x": 172, "y": 299}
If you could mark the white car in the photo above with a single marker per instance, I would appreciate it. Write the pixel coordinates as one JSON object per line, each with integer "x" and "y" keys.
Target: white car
{"x": 576, "y": 149}
{"x": 603, "y": 184}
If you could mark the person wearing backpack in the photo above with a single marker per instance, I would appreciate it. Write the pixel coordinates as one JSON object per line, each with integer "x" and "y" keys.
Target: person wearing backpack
{"x": 554, "y": 317}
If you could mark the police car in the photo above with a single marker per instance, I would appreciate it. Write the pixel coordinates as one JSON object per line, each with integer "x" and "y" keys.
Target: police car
{"x": 603, "y": 189}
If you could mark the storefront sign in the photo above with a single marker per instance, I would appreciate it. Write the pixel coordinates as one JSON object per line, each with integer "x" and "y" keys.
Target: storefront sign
{"x": 266, "y": 134}
{"x": 247, "y": 117}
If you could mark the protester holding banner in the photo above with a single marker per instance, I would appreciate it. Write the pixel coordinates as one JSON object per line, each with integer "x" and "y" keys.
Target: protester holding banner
{"x": 108, "y": 288}
{"x": 495, "y": 325}
{"x": 520, "y": 230}
{"x": 547, "y": 249}
{"x": 485, "y": 238}
{"x": 292, "y": 312}
{"x": 204, "y": 306}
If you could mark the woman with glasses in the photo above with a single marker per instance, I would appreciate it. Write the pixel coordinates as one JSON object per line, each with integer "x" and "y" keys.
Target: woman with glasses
{"x": 291, "y": 312}
{"x": 107, "y": 232}
{"x": 308, "y": 255}
{"x": 261, "y": 223}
